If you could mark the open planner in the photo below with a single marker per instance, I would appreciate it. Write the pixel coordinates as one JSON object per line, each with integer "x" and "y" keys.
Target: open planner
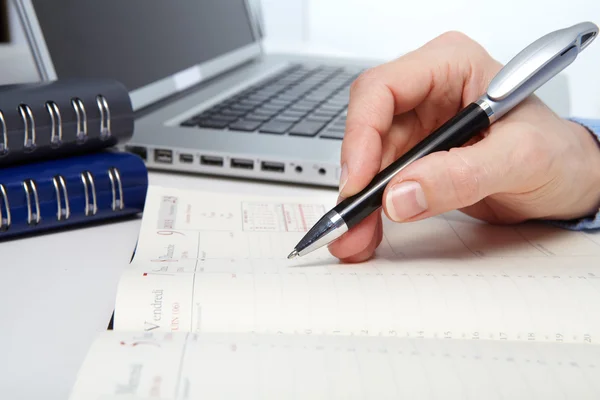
{"x": 448, "y": 308}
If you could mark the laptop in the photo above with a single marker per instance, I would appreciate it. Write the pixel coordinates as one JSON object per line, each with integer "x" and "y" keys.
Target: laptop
{"x": 207, "y": 98}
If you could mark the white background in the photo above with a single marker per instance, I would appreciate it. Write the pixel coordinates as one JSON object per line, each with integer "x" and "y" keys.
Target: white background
{"x": 384, "y": 29}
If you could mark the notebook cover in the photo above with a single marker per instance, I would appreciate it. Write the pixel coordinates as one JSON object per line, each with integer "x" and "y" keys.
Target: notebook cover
{"x": 71, "y": 191}
{"x": 47, "y": 120}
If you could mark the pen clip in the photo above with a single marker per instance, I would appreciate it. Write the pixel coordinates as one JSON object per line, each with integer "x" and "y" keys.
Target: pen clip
{"x": 541, "y": 60}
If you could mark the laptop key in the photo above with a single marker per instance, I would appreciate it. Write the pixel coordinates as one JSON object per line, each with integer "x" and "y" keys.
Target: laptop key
{"x": 250, "y": 102}
{"x": 325, "y": 113}
{"x": 235, "y": 113}
{"x": 280, "y": 102}
{"x": 259, "y": 97}
{"x": 273, "y": 107}
{"x": 258, "y": 117}
{"x": 202, "y": 115}
{"x": 318, "y": 118}
{"x": 213, "y": 123}
{"x": 317, "y": 96}
{"x": 307, "y": 128}
{"x": 226, "y": 118}
{"x": 293, "y": 113}
{"x": 305, "y": 104}
{"x": 287, "y": 118}
{"x": 240, "y": 107}
{"x": 331, "y": 107}
{"x": 189, "y": 122}
{"x": 332, "y": 134}
{"x": 265, "y": 111}
{"x": 274, "y": 126}
{"x": 246, "y": 125}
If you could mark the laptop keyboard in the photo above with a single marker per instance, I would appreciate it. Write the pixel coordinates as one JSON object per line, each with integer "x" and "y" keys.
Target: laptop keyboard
{"x": 300, "y": 101}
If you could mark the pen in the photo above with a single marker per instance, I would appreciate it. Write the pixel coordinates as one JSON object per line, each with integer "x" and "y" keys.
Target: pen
{"x": 517, "y": 80}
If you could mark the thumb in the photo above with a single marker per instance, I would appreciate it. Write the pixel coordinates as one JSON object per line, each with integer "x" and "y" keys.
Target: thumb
{"x": 455, "y": 179}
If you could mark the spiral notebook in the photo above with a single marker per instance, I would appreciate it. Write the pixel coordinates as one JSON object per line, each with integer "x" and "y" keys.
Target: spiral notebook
{"x": 45, "y": 120}
{"x": 448, "y": 308}
{"x": 54, "y": 194}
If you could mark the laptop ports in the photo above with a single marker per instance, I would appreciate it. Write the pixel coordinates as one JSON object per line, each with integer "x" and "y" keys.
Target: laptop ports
{"x": 163, "y": 156}
{"x": 186, "y": 158}
{"x": 241, "y": 163}
{"x": 272, "y": 166}
{"x": 213, "y": 161}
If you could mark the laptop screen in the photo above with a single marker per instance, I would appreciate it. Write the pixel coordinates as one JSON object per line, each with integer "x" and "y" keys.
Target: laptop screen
{"x": 139, "y": 41}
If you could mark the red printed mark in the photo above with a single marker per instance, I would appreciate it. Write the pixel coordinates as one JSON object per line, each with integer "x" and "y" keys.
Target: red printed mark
{"x": 285, "y": 218}
{"x": 303, "y": 219}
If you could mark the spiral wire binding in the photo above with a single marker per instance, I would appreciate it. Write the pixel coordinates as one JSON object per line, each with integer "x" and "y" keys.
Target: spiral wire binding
{"x": 56, "y": 118}
{"x": 81, "y": 120}
{"x": 105, "y": 131}
{"x": 56, "y": 135}
{"x": 88, "y": 183}
{"x": 4, "y": 220}
{"x": 33, "y": 218}
{"x": 62, "y": 211}
{"x": 4, "y": 136}
{"x": 29, "y": 126}
{"x": 117, "y": 188}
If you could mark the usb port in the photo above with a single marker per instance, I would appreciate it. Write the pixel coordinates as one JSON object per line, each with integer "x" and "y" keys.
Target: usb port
{"x": 163, "y": 156}
{"x": 186, "y": 158}
{"x": 211, "y": 160}
{"x": 241, "y": 163}
{"x": 272, "y": 166}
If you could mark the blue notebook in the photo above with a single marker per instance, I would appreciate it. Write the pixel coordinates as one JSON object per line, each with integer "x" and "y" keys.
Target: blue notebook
{"x": 71, "y": 191}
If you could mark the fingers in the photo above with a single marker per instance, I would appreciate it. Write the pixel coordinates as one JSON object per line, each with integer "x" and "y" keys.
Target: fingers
{"x": 391, "y": 108}
{"x": 374, "y": 100}
{"x": 403, "y": 135}
{"x": 461, "y": 177}
{"x": 436, "y": 72}
{"x": 369, "y": 251}
{"x": 360, "y": 242}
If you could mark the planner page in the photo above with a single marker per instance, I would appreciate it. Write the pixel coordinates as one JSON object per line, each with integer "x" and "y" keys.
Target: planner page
{"x": 173, "y": 366}
{"x": 218, "y": 263}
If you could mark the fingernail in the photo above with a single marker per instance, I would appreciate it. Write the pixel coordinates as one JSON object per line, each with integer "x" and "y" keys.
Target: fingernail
{"x": 343, "y": 177}
{"x": 405, "y": 200}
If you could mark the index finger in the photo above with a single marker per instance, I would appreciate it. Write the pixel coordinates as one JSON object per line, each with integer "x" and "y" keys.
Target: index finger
{"x": 393, "y": 88}
{"x": 376, "y": 96}
{"x": 371, "y": 111}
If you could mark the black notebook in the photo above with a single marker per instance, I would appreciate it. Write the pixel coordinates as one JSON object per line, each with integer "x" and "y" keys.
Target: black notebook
{"x": 65, "y": 117}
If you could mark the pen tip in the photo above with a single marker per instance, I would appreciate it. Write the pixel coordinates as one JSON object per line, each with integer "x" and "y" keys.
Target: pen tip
{"x": 292, "y": 255}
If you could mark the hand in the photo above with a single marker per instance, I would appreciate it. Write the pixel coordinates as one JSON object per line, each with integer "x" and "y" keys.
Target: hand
{"x": 530, "y": 164}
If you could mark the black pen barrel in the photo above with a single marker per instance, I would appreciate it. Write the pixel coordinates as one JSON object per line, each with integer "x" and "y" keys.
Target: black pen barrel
{"x": 457, "y": 131}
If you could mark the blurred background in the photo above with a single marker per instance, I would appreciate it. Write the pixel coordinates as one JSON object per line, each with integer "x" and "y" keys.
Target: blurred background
{"x": 385, "y": 29}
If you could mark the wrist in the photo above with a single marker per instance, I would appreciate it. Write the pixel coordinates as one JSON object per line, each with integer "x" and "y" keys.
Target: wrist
{"x": 590, "y": 194}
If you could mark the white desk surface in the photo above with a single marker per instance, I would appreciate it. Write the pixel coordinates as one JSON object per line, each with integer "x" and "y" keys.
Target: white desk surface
{"x": 57, "y": 292}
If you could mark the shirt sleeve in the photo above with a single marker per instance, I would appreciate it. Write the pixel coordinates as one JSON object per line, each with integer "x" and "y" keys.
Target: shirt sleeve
{"x": 593, "y": 221}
